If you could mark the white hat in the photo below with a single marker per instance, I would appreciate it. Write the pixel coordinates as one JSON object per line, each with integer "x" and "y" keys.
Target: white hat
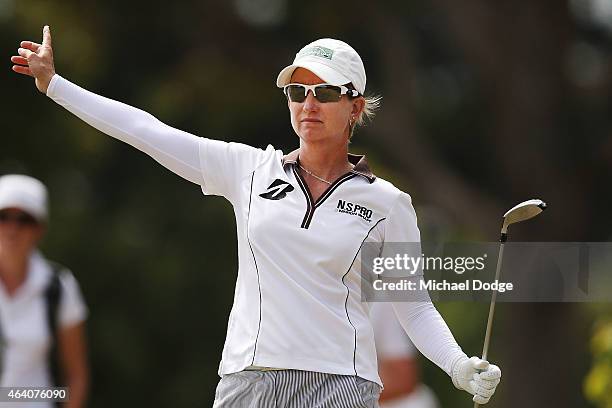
{"x": 24, "y": 192}
{"x": 334, "y": 61}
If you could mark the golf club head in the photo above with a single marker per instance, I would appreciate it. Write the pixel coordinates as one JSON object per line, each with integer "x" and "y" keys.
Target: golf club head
{"x": 523, "y": 211}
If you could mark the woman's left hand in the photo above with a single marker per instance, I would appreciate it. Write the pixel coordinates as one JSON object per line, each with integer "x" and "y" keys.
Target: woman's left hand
{"x": 477, "y": 377}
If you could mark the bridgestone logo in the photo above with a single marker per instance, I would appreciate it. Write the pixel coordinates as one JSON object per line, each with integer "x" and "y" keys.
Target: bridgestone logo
{"x": 277, "y": 190}
{"x": 354, "y": 209}
{"x": 317, "y": 51}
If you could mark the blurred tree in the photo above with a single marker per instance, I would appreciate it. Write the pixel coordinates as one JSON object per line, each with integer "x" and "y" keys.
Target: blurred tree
{"x": 598, "y": 383}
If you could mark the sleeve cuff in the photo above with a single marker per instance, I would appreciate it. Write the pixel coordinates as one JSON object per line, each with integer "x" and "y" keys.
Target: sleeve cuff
{"x": 455, "y": 369}
{"x": 52, "y": 85}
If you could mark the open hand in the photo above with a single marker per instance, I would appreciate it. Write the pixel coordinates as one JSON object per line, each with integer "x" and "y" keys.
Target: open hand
{"x": 36, "y": 60}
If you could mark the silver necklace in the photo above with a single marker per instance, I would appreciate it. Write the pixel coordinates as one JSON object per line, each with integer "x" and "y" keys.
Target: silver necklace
{"x": 320, "y": 178}
{"x": 315, "y": 176}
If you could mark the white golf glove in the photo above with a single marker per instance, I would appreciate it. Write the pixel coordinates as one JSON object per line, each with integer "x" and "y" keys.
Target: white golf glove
{"x": 477, "y": 377}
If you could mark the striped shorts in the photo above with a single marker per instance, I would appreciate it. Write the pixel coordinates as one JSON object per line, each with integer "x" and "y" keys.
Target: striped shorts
{"x": 295, "y": 389}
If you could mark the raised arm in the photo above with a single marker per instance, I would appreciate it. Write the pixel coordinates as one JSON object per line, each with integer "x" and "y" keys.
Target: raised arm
{"x": 174, "y": 149}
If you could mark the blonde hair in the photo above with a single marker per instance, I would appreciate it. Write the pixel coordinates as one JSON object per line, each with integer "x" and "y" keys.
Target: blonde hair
{"x": 372, "y": 104}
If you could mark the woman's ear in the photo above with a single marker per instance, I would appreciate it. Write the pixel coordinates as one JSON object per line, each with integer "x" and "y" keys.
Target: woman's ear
{"x": 358, "y": 106}
{"x": 40, "y": 231}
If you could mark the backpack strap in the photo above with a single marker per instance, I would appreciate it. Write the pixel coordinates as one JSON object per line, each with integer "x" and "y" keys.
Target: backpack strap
{"x": 53, "y": 295}
{"x": 2, "y": 349}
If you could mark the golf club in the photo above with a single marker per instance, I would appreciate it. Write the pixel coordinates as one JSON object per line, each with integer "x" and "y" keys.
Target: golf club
{"x": 520, "y": 212}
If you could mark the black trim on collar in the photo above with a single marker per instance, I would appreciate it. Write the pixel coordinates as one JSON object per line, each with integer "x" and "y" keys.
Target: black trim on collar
{"x": 359, "y": 161}
{"x": 311, "y": 205}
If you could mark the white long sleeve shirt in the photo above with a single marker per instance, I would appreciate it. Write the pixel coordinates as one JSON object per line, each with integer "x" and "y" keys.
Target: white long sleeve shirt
{"x": 297, "y": 302}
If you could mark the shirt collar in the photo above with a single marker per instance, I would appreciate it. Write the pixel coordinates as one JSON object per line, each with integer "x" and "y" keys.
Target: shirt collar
{"x": 359, "y": 161}
{"x": 36, "y": 281}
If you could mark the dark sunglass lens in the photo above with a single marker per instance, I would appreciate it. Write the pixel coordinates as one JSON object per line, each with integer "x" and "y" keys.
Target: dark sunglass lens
{"x": 328, "y": 93}
{"x": 21, "y": 219}
{"x": 296, "y": 93}
{"x": 25, "y": 219}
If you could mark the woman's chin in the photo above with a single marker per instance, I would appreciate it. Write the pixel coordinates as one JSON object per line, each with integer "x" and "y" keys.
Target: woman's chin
{"x": 312, "y": 135}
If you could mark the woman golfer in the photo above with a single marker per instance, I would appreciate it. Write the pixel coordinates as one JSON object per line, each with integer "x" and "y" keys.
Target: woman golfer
{"x": 298, "y": 334}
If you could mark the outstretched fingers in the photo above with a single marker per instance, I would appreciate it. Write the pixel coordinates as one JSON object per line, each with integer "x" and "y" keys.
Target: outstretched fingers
{"x": 36, "y": 60}
{"x": 25, "y": 53}
{"x": 30, "y": 45}
{"x": 21, "y": 65}
{"x": 22, "y": 70}
{"x": 19, "y": 60}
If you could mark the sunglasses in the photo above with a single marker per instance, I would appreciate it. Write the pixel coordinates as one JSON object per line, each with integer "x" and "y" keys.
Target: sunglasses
{"x": 22, "y": 219}
{"x": 322, "y": 92}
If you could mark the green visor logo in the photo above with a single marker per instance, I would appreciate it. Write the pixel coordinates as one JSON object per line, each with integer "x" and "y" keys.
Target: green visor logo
{"x": 317, "y": 51}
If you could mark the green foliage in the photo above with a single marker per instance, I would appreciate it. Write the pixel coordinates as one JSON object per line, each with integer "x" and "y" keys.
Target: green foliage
{"x": 598, "y": 383}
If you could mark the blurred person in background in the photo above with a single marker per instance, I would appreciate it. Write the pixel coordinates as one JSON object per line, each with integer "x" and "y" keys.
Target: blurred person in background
{"x": 298, "y": 333}
{"x": 397, "y": 363}
{"x": 42, "y": 313}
